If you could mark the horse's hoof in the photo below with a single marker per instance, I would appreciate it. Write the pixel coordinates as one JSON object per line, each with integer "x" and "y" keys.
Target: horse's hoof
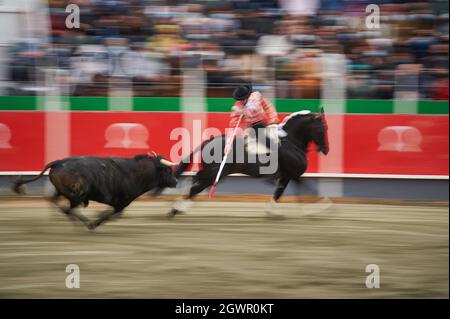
{"x": 275, "y": 216}
{"x": 273, "y": 212}
{"x": 322, "y": 206}
{"x": 92, "y": 225}
{"x": 173, "y": 212}
{"x": 72, "y": 218}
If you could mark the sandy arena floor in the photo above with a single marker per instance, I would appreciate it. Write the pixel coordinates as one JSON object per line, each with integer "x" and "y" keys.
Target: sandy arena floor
{"x": 226, "y": 250}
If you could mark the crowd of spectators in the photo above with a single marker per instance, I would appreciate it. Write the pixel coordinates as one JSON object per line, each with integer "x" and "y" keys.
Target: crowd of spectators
{"x": 147, "y": 45}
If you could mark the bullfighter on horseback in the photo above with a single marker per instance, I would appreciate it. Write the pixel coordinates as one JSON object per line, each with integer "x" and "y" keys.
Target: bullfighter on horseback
{"x": 258, "y": 113}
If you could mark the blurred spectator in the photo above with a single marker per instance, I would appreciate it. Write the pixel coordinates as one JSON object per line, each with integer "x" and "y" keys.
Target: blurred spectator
{"x": 440, "y": 88}
{"x": 269, "y": 42}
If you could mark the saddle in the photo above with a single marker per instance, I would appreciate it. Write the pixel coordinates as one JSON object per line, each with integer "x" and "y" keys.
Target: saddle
{"x": 273, "y": 133}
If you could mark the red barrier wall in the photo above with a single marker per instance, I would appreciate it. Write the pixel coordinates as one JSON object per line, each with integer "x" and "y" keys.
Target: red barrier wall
{"x": 372, "y": 144}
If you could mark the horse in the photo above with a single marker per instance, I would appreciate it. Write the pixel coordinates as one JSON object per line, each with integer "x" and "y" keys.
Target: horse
{"x": 299, "y": 130}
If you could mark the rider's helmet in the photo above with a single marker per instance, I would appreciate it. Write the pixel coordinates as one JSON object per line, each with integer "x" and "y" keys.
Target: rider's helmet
{"x": 243, "y": 92}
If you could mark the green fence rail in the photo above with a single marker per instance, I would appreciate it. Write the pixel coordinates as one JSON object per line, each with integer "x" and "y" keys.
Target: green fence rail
{"x": 162, "y": 104}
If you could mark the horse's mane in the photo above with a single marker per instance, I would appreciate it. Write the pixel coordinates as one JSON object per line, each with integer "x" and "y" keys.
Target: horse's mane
{"x": 293, "y": 116}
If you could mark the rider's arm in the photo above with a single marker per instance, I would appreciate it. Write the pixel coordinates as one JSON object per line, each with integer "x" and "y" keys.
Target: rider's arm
{"x": 270, "y": 111}
{"x": 235, "y": 115}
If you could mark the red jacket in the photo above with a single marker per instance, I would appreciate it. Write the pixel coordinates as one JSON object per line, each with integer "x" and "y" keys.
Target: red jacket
{"x": 257, "y": 109}
{"x": 441, "y": 90}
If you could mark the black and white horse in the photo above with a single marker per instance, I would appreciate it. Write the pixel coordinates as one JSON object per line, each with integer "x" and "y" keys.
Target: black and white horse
{"x": 299, "y": 130}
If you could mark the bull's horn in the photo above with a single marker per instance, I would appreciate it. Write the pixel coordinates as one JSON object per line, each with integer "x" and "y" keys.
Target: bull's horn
{"x": 167, "y": 163}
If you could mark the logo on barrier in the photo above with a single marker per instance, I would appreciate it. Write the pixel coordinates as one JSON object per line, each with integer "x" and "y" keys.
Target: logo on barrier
{"x": 126, "y": 135}
{"x": 400, "y": 139}
{"x": 5, "y": 136}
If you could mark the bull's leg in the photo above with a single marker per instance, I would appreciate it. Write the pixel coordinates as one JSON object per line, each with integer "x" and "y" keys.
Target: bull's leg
{"x": 79, "y": 216}
{"x": 69, "y": 211}
{"x": 271, "y": 207}
{"x": 54, "y": 199}
{"x": 107, "y": 215}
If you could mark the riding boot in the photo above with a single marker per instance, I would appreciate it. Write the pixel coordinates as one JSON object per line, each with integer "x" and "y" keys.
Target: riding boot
{"x": 259, "y": 128}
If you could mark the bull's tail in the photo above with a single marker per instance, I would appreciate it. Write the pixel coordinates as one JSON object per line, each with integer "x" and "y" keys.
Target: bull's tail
{"x": 18, "y": 184}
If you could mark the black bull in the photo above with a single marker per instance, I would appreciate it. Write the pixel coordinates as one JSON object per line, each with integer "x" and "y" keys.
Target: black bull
{"x": 112, "y": 181}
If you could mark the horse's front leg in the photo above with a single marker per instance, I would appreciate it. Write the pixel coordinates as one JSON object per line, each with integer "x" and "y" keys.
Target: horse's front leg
{"x": 271, "y": 208}
{"x": 322, "y": 205}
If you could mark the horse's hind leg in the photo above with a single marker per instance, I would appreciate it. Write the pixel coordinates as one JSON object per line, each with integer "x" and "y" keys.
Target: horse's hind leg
{"x": 183, "y": 205}
{"x": 202, "y": 180}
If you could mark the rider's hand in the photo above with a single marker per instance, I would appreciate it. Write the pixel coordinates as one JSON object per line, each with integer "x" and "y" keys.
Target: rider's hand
{"x": 238, "y": 110}
{"x": 275, "y": 121}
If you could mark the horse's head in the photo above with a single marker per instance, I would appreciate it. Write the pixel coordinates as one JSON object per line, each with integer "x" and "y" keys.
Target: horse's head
{"x": 322, "y": 137}
{"x": 307, "y": 127}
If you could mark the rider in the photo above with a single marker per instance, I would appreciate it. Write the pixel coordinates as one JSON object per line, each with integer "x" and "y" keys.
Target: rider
{"x": 258, "y": 112}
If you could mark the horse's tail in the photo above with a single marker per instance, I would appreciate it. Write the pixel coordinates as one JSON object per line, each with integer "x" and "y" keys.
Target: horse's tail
{"x": 187, "y": 161}
{"x": 19, "y": 182}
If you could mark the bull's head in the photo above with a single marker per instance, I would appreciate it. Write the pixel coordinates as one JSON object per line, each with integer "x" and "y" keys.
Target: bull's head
{"x": 167, "y": 163}
{"x": 166, "y": 175}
